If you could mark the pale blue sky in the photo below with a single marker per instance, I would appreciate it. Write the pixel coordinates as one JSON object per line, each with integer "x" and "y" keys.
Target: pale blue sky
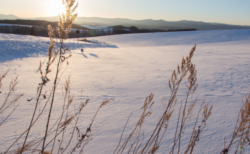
{"x": 223, "y": 11}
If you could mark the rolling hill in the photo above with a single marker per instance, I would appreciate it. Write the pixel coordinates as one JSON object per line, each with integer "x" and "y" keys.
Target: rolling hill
{"x": 147, "y": 23}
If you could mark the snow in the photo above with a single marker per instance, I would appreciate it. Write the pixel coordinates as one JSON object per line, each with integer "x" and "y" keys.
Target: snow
{"x": 178, "y": 38}
{"x": 127, "y": 68}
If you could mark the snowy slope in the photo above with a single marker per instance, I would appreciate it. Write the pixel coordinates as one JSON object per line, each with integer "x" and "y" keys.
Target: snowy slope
{"x": 178, "y": 38}
{"x": 21, "y": 46}
{"x": 128, "y": 69}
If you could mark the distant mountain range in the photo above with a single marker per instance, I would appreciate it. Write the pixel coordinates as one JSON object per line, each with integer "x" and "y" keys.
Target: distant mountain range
{"x": 148, "y": 23}
{"x": 10, "y": 16}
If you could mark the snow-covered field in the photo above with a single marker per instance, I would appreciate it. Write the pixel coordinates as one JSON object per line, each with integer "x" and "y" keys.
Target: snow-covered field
{"x": 127, "y": 68}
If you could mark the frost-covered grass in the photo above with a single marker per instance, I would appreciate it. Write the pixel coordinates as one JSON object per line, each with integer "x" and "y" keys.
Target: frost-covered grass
{"x": 129, "y": 71}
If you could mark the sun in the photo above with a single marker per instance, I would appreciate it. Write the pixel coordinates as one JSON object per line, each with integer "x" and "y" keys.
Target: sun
{"x": 56, "y": 7}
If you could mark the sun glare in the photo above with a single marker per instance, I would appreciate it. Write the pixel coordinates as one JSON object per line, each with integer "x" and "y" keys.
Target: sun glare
{"x": 56, "y": 7}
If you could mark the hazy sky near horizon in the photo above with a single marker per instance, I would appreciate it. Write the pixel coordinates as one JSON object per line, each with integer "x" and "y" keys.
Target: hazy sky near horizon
{"x": 223, "y": 11}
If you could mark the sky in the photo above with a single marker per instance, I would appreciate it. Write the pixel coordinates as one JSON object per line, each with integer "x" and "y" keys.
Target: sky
{"x": 222, "y": 11}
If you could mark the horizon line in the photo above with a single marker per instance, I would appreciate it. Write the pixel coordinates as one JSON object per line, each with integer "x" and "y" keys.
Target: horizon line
{"x": 32, "y": 18}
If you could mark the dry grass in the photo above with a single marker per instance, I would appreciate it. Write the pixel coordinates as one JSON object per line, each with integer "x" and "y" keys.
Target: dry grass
{"x": 55, "y": 132}
{"x": 136, "y": 142}
{"x": 54, "y": 138}
{"x": 9, "y": 100}
{"x": 240, "y": 135}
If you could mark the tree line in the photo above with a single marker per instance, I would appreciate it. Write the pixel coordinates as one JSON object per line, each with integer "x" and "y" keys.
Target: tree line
{"x": 39, "y": 28}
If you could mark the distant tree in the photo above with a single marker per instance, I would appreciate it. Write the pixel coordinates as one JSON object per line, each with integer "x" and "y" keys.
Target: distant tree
{"x": 134, "y": 29}
{"x": 77, "y": 33}
{"x": 92, "y": 33}
{"x": 33, "y": 31}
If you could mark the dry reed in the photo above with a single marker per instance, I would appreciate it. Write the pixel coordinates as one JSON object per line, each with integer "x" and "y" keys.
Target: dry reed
{"x": 8, "y": 100}
{"x": 240, "y": 135}
{"x": 137, "y": 143}
{"x": 55, "y": 131}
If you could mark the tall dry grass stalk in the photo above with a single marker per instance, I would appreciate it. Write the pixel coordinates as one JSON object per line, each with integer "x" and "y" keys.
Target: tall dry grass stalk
{"x": 8, "y": 102}
{"x": 136, "y": 142}
{"x": 64, "y": 27}
{"x": 241, "y": 134}
{"x": 55, "y": 132}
